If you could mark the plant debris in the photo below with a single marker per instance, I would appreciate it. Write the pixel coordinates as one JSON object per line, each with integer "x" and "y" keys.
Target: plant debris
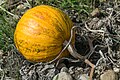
{"x": 97, "y": 38}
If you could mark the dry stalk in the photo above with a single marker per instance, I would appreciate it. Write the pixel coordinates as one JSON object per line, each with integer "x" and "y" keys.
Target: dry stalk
{"x": 15, "y": 16}
{"x": 94, "y": 31}
{"x": 78, "y": 56}
{"x": 74, "y": 53}
{"x": 3, "y": 74}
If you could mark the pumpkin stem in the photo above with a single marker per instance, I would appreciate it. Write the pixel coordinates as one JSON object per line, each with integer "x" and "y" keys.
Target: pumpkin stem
{"x": 66, "y": 43}
{"x": 78, "y": 56}
{"x": 74, "y": 53}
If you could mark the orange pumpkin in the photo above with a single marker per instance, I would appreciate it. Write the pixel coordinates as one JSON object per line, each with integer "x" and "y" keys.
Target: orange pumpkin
{"x": 40, "y": 33}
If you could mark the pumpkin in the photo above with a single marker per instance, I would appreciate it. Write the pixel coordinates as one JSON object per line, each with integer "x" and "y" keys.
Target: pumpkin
{"x": 41, "y": 32}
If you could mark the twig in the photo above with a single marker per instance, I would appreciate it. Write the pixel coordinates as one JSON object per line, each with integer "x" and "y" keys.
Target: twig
{"x": 91, "y": 48}
{"x": 28, "y": 3}
{"x": 94, "y": 31}
{"x": 8, "y": 12}
{"x": 2, "y": 2}
{"x": 113, "y": 62}
{"x": 110, "y": 13}
{"x": 65, "y": 58}
{"x": 103, "y": 57}
{"x": 92, "y": 68}
{"x": 91, "y": 52}
{"x": 74, "y": 53}
{"x": 97, "y": 63}
{"x": 3, "y": 75}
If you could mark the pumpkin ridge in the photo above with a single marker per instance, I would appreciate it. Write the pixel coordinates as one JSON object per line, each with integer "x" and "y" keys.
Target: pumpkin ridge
{"x": 63, "y": 17}
{"x": 47, "y": 27}
{"x": 60, "y": 37}
{"x": 40, "y": 33}
{"x": 56, "y": 16}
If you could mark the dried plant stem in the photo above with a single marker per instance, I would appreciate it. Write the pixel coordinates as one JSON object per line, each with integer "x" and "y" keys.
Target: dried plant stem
{"x": 92, "y": 68}
{"x": 78, "y": 56}
{"x": 8, "y": 12}
{"x": 94, "y": 31}
{"x": 3, "y": 75}
{"x": 28, "y": 3}
{"x": 74, "y": 53}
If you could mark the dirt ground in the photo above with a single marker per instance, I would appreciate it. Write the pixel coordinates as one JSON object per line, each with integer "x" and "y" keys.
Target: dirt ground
{"x": 97, "y": 38}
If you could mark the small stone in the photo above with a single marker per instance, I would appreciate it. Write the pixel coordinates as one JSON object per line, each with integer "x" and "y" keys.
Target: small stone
{"x": 84, "y": 77}
{"x": 117, "y": 70}
{"x": 64, "y": 69}
{"x": 63, "y": 76}
{"x": 95, "y": 12}
{"x": 1, "y": 53}
{"x": 109, "y": 75}
{"x": 61, "y": 65}
{"x": 21, "y": 6}
{"x": 80, "y": 69}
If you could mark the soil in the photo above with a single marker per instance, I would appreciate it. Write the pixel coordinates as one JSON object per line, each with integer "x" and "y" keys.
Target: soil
{"x": 97, "y": 38}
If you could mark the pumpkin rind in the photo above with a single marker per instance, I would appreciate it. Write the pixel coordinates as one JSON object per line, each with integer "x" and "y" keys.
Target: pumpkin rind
{"x": 40, "y": 33}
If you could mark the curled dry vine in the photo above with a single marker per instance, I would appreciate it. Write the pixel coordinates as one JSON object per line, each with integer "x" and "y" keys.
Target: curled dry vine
{"x": 105, "y": 33}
